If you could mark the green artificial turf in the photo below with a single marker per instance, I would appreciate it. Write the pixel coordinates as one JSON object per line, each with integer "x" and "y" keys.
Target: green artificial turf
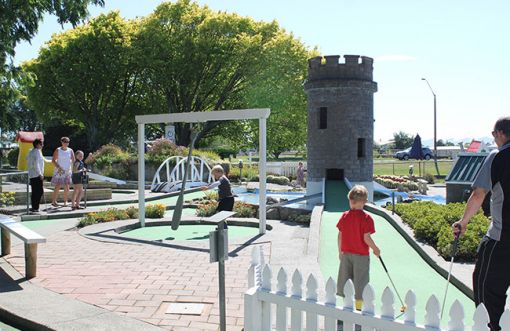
{"x": 188, "y": 232}
{"x": 407, "y": 269}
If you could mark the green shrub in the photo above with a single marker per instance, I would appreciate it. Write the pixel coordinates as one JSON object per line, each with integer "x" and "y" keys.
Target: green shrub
{"x": 396, "y": 182}
{"x": 225, "y": 152}
{"x": 207, "y": 155}
{"x": 7, "y": 199}
{"x": 161, "y": 149}
{"x": 432, "y": 224}
{"x": 107, "y": 155}
{"x": 12, "y": 157}
{"x": 211, "y": 195}
{"x": 273, "y": 179}
{"x": 109, "y": 215}
{"x": 248, "y": 172}
{"x": 132, "y": 212}
{"x": 429, "y": 178}
{"x": 207, "y": 209}
{"x": 155, "y": 211}
{"x": 244, "y": 210}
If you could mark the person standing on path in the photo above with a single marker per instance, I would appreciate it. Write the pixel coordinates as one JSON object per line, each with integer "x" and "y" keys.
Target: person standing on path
{"x": 63, "y": 158}
{"x": 491, "y": 278}
{"x": 300, "y": 175}
{"x": 36, "y": 173}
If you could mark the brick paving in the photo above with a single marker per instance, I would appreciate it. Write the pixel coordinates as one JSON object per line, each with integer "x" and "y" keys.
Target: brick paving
{"x": 140, "y": 280}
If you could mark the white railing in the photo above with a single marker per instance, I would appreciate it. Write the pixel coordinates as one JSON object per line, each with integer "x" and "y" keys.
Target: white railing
{"x": 267, "y": 308}
{"x": 283, "y": 168}
{"x": 173, "y": 170}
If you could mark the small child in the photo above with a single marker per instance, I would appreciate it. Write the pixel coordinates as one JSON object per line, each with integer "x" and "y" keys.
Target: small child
{"x": 354, "y": 239}
{"x": 225, "y": 195}
{"x": 77, "y": 177}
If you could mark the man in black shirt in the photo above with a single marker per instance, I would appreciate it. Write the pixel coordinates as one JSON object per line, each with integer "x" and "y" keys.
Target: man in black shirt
{"x": 491, "y": 278}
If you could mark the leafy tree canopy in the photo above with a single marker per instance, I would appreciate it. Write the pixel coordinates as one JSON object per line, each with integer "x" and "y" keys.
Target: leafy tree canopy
{"x": 89, "y": 75}
{"x": 402, "y": 140}
{"x": 182, "y": 58}
{"x": 20, "y": 19}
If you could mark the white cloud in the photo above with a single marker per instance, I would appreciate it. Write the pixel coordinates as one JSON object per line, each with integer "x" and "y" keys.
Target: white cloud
{"x": 394, "y": 58}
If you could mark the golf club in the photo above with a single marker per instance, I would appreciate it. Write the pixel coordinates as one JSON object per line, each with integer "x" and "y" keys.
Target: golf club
{"x": 454, "y": 251}
{"x": 403, "y": 307}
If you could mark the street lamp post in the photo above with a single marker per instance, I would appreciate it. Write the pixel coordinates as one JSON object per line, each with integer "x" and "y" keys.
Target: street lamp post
{"x": 435, "y": 125}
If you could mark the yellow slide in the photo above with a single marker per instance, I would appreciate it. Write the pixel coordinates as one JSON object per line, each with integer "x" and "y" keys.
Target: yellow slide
{"x": 25, "y": 140}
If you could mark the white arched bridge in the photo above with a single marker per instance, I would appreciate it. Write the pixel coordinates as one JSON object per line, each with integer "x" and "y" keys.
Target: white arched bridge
{"x": 170, "y": 174}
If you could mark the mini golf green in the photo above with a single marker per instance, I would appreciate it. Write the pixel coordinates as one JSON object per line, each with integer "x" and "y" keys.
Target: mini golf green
{"x": 188, "y": 232}
{"x": 5, "y": 327}
{"x": 407, "y": 269}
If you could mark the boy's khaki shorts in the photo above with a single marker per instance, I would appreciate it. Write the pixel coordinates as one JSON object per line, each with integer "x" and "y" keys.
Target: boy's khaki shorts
{"x": 355, "y": 267}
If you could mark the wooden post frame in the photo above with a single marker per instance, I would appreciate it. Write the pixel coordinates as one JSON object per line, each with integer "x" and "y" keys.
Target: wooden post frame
{"x": 6, "y": 242}
{"x": 196, "y": 117}
{"x": 30, "y": 260}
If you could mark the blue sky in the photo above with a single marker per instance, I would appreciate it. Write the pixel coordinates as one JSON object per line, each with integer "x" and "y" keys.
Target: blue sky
{"x": 460, "y": 46}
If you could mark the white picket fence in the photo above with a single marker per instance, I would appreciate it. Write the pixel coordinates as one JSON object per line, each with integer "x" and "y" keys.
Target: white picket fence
{"x": 283, "y": 168}
{"x": 267, "y": 308}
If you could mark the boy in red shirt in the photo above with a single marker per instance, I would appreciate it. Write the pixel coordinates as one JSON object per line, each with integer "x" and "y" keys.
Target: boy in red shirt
{"x": 354, "y": 240}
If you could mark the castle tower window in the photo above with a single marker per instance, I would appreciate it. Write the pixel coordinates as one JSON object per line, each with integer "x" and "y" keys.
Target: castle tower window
{"x": 361, "y": 147}
{"x": 323, "y": 118}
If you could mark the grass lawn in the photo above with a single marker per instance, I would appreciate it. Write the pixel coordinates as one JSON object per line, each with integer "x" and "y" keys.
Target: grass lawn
{"x": 401, "y": 168}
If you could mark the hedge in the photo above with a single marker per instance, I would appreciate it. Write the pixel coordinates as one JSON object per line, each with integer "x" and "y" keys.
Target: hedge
{"x": 432, "y": 224}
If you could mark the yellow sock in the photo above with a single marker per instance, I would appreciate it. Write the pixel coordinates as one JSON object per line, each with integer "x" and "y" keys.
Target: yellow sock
{"x": 359, "y": 304}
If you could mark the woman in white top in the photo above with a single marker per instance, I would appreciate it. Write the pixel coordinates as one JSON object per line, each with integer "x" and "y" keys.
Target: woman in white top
{"x": 63, "y": 158}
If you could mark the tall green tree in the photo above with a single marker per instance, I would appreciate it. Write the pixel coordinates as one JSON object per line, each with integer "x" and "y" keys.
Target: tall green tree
{"x": 402, "y": 140}
{"x": 89, "y": 75}
{"x": 19, "y": 21}
{"x": 201, "y": 60}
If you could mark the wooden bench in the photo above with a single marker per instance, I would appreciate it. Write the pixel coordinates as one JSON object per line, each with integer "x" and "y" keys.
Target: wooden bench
{"x": 29, "y": 237}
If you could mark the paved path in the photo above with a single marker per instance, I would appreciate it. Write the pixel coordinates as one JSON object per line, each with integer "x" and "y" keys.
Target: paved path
{"x": 140, "y": 280}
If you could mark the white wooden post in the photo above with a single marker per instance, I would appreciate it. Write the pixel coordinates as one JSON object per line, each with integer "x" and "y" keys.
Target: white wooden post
{"x": 368, "y": 308}
{"x": 262, "y": 175}
{"x": 255, "y": 260}
{"x": 349, "y": 303}
{"x": 252, "y": 310}
{"x": 281, "y": 310}
{"x": 296, "y": 318}
{"x": 330, "y": 300}
{"x": 504, "y": 322}
{"x": 387, "y": 309}
{"x": 433, "y": 308}
{"x": 481, "y": 319}
{"x": 312, "y": 322}
{"x": 456, "y": 322}
{"x": 410, "y": 313}
{"x": 141, "y": 174}
{"x": 266, "y": 306}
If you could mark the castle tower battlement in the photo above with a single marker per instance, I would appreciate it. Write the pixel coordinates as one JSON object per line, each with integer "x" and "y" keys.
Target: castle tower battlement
{"x": 340, "y": 95}
{"x": 354, "y": 67}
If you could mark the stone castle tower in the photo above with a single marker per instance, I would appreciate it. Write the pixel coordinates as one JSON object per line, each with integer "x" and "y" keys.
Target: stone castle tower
{"x": 340, "y": 120}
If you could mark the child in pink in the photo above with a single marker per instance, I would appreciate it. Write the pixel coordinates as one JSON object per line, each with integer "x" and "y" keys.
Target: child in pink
{"x": 354, "y": 240}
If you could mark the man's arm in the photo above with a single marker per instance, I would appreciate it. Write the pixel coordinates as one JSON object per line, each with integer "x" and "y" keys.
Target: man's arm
{"x": 473, "y": 205}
